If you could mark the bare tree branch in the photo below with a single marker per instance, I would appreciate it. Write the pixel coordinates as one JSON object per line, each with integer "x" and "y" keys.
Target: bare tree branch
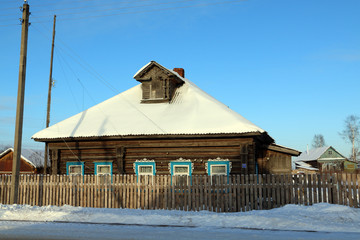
{"x": 351, "y": 134}
{"x": 318, "y": 141}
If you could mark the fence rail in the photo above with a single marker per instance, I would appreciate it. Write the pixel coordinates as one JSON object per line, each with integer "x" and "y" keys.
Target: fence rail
{"x": 218, "y": 193}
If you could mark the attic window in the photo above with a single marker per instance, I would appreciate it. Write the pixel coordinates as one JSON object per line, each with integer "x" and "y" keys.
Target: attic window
{"x": 330, "y": 152}
{"x": 158, "y": 83}
{"x": 156, "y": 89}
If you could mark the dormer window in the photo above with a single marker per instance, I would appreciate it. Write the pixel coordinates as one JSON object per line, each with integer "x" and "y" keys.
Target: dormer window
{"x": 158, "y": 83}
{"x": 155, "y": 89}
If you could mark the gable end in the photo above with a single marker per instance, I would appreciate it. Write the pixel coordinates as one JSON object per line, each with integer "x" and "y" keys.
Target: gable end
{"x": 158, "y": 84}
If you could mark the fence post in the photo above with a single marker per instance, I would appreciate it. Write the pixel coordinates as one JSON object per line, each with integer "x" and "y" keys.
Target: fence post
{"x": 354, "y": 193}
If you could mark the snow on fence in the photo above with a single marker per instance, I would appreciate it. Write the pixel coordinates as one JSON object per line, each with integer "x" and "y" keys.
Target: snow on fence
{"x": 218, "y": 193}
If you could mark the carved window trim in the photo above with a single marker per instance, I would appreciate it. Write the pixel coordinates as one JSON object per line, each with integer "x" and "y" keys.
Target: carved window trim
{"x": 144, "y": 162}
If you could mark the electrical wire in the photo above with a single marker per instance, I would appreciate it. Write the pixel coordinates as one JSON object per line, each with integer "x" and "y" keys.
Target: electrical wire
{"x": 90, "y": 6}
{"x": 115, "y": 9}
{"x": 135, "y": 12}
{"x": 65, "y": 2}
{"x": 132, "y": 105}
{"x": 8, "y": 25}
{"x": 58, "y": 55}
{"x": 123, "y": 13}
{"x": 146, "y": 11}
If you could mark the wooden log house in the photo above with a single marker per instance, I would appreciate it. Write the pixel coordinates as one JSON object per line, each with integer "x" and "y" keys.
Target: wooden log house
{"x": 164, "y": 125}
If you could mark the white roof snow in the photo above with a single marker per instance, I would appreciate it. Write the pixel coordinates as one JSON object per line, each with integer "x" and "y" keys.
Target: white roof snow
{"x": 314, "y": 154}
{"x": 191, "y": 111}
{"x": 303, "y": 165}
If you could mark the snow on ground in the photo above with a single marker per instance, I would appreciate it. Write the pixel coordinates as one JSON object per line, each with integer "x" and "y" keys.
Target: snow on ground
{"x": 319, "y": 217}
{"x": 330, "y": 221}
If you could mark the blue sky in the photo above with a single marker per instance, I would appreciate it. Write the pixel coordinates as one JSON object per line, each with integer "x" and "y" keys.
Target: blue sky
{"x": 292, "y": 67}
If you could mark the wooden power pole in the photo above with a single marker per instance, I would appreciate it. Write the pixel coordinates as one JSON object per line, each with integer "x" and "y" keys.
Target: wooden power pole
{"x": 20, "y": 106}
{"x": 49, "y": 96}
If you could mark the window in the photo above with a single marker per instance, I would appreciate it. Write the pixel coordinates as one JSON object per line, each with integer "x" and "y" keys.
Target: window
{"x": 103, "y": 168}
{"x": 330, "y": 152}
{"x": 181, "y": 168}
{"x": 145, "y": 170}
{"x": 218, "y": 167}
{"x": 144, "y": 167}
{"x": 75, "y": 168}
{"x": 104, "y": 172}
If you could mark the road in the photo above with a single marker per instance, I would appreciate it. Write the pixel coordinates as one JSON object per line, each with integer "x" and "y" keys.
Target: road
{"x": 51, "y": 230}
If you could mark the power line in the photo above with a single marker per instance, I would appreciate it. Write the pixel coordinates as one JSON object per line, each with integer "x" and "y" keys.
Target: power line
{"x": 90, "y": 6}
{"x": 63, "y": 2}
{"x": 146, "y": 11}
{"x": 58, "y": 56}
{"x": 72, "y": 8}
{"x": 91, "y": 70}
{"x": 8, "y": 14}
{"x": 87, "y": 67}
{"x": 106, "y": 84}
{"x": 8, "y": 25}
{"x": 115, "y": 9}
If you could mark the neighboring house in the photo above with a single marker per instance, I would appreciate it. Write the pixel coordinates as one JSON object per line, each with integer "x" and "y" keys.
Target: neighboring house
{"x": 164, "y": 125}
{"x": 323, "y": 158}
{"x": 350, "y": 166}
{"x": 27, "y": 166}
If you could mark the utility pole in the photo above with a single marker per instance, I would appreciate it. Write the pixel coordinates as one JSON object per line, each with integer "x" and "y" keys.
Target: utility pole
{"x": 49, "y": 96}
{"x": 20, "y": 106}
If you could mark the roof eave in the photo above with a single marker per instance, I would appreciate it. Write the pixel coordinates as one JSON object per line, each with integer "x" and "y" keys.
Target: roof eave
{"x": 283, "y": 149}
{"x": 151, "y": 136}
{"x": 139, "y": 74}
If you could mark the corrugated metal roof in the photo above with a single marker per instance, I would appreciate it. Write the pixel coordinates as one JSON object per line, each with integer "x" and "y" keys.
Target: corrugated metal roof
{"x": 316, "y": 153}
{"x": 312, "y": 154}
{"x": 192, "y": 111}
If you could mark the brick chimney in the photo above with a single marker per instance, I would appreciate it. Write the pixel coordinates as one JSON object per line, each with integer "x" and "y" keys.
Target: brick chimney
{"x": 180, "y": 71}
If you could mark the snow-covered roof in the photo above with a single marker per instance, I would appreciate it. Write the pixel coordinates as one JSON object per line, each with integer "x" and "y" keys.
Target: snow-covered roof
{"x": 303, "y": 165}
{"x": 312, "y": 154}
{"x": 315, "y": 154}
{"x": 22, "y": 156}
{"x": 191, "y": 111}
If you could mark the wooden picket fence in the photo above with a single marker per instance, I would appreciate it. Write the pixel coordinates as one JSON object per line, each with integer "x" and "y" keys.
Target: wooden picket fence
{"x": 218, "y": 193}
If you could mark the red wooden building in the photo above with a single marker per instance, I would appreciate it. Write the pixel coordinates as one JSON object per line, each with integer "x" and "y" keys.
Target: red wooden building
{"x": 6, "y": 162}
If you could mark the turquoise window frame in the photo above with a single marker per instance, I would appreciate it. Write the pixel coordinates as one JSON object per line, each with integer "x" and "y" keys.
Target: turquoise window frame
{"x": 68, "y": 164}
{"x": 173, "y": 164}
{"x": 214, "y": 163}
{"x": 144, "y": 163}
{"x": 96, "y": 164}
{"x": 189, "y": 164}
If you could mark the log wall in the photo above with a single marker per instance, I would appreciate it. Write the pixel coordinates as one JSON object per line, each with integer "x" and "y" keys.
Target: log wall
{"x": 123, "y": 153}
